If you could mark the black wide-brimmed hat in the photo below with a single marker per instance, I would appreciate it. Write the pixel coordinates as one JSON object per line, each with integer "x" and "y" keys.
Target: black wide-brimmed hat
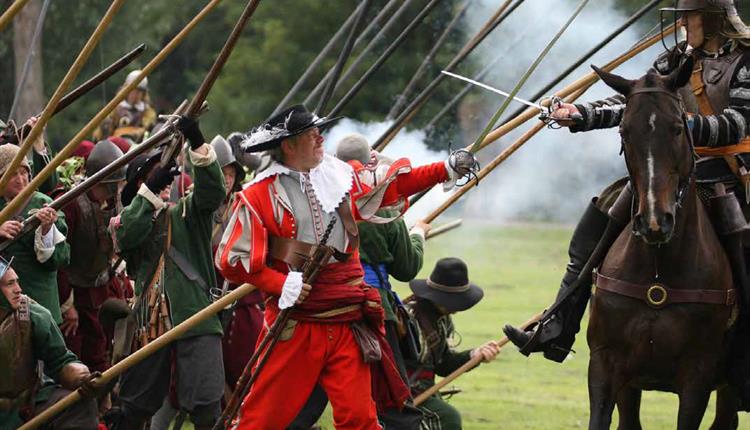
{"x": 137, "y": 169}
{"x": 287, "y": 123}
{"x": 448, "y": 286}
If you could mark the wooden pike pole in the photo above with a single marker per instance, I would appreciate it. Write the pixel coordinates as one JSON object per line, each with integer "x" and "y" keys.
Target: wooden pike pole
{"x": 84, "y": 88}
{"x": 445, "y": 228}
{"x": 11, "y": 12}
{"x": 466, "y": 367}
{"x": 70, "y": 76}
{"x": 140, "y": 355}
{"x": 67, "y": 151}
{"x": 575, "y": 89}
{"x": 495, "y": 162}
{"x": 405, "y": 116}
{"x": 584, "y": 82}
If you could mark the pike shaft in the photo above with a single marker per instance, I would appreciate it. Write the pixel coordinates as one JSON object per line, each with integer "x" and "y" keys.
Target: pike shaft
{"x": 11, "y": 12}
{"x": 66, "y": 151}
{"x": 383, "y": 57}
{"x": 478, "y": 142}
{"x": 585, "y": 57}
{"x": 318, "y": 59}
{"x": 343, "y": 57}
{"x": 403, "y": 118}
{"x": 87, "y": 86}
{"x": 404, "y": 96}
{"x": 49, "y": 109}
{"x": 361, "y": 56}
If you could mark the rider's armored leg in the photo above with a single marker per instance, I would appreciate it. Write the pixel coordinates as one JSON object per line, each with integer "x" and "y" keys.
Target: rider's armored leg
{"x": 556, "y": 331}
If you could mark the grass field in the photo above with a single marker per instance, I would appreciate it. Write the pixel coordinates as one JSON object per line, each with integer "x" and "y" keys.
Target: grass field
{"x": 519, "y": 268}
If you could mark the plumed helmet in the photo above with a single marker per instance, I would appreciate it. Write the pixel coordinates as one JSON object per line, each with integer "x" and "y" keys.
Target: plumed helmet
{"x": 143, "y": 85}
{"x": 7, "y": 153}
{"x": 353, "y": 147}
{"x": 104, "y": 153}
{"x": 225, "y": 157}
{"x": 726, "y": 7}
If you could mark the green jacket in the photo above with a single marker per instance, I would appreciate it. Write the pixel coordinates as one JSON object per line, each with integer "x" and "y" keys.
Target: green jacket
{"x": 39, "y": 280}
{"x": 49, "y": 347}
{"x": 437, "y": 355}
{"x": 392, "y": 246}
{"x": 142, "y": 232}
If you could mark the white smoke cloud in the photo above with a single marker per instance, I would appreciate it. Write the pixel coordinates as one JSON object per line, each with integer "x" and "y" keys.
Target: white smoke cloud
{"x": 554, "y": 175}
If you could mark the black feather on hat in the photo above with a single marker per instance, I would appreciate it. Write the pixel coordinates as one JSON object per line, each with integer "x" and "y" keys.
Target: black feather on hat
{"x": 287, "y": 123}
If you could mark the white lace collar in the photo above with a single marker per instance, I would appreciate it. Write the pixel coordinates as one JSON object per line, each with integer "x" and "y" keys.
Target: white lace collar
{"x": 331, "y": 180}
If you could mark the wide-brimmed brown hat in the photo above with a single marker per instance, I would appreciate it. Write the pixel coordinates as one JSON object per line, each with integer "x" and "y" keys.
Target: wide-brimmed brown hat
{"x": 448, "y": 286}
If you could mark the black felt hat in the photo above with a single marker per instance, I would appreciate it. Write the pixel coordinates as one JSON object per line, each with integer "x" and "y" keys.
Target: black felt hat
{"x": 287, "y": 123}
{"x": 448, "y": 286}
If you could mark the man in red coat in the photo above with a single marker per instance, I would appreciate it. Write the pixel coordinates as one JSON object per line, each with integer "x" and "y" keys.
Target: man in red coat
{"x": 282, "y": 215}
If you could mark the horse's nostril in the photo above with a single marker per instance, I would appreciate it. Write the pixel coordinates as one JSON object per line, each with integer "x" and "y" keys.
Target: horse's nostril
{"x": 667, "y": 223}
{"x": 638, "y": 225}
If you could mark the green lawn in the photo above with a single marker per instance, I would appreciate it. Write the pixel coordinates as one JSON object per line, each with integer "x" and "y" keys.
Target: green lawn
{"x": 519, "y": 268}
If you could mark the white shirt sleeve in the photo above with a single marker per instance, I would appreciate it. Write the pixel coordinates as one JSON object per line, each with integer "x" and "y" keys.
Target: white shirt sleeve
{"x": 291, "y": 289}
{"x": 44, "y": 244}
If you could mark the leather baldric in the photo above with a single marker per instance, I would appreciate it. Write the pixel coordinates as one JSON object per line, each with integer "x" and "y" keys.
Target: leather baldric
{"x": 296, "y": 252}
{"x": 658, "y": 295}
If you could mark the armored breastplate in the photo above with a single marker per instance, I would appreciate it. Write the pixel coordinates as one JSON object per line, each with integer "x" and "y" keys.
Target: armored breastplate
{"x": 17, "y": 364}
{"x": 717, "y": 75}
{"x": 90, "y": 245}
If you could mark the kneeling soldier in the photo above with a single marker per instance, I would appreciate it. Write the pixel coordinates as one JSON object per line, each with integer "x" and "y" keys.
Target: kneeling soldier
{"x": 445, "y": 292}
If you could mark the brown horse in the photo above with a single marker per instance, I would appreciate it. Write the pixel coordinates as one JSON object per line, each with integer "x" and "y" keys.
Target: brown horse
{"x": 661, "y": 312}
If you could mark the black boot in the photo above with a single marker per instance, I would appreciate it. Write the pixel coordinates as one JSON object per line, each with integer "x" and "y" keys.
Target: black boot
{"x": 556, "y": 333}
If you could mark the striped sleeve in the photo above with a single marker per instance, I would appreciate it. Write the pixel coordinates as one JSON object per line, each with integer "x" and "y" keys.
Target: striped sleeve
{"x": 605, "y": 113}
{"x": 729, "y": 127}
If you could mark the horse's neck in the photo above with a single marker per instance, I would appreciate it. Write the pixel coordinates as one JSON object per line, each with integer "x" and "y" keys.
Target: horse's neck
{"x": 693, "y": 256}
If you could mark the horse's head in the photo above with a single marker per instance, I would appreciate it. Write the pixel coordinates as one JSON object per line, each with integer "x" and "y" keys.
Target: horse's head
{"x": 657, "y": 146}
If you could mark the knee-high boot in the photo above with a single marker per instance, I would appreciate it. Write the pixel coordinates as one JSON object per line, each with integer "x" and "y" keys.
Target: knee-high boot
{"x": 594, "y": 234}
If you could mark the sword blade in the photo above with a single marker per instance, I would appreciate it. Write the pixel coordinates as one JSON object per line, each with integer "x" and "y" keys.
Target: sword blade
{"x": 493, "y": 89}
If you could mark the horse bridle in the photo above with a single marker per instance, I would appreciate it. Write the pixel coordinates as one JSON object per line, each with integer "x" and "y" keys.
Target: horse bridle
{"x": 684, "y": 182}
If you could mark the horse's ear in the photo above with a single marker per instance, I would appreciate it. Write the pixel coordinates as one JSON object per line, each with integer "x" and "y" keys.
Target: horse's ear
{"x": 681, "y": 75}
{"x": 616, "y": 82}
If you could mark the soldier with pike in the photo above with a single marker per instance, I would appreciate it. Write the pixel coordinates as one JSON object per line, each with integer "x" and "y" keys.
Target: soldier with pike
{"x": 167, "y": 249}
{"x": 717, "y": 98}
{"x": 134, "y": 117}
{"x": 89, "y": 274}
{"x": 335, "y": 335}
{"x": 29, "y": 335}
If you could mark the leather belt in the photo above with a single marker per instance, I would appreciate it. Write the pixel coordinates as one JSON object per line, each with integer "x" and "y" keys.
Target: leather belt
{"x": 294, "y": 252}
{"x": 658, "y": 295}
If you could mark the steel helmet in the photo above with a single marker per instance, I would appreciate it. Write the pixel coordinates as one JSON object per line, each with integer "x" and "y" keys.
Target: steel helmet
{"x": 142, "y": 85}
{"x": 103, "y": 154}
{"x": 726, "y": 7}
{"x": 225, "y": 157}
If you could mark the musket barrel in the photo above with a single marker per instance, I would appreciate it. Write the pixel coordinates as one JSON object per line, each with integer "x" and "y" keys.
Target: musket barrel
{"x": 437, "y": 231}
{"x": 85, "y": 87}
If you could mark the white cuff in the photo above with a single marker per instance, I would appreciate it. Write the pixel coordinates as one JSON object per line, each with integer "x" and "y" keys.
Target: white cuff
{"x": 44, "y": 245}
{"x": 419, "y": 231}
{"x": 65, "y": 307}
{"x": 152, "y": 198}
{"x": 200, "y": 160}
{"x": 452, "y": 177}
{"x": 291, "y": 289}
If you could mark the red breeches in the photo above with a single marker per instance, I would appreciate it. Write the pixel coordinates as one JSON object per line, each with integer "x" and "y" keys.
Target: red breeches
{"x": 316, "y": 353}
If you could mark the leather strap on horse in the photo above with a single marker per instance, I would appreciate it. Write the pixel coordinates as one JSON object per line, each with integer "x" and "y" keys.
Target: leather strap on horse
{"x": 658, "y": 295}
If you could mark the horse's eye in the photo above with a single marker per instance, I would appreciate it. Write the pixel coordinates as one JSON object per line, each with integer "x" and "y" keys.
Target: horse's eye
{"x": 677, "y": 130}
